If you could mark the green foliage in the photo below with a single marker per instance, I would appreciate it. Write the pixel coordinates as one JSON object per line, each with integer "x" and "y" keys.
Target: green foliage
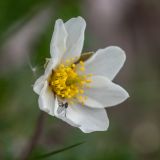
{"x": 12, "y": 11}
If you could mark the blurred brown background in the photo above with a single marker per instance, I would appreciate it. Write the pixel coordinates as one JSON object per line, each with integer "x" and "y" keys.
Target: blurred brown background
{"x": 25, "y": 32}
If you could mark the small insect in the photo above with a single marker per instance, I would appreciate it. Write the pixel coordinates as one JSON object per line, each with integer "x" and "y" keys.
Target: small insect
{"x": 62, "y": 107}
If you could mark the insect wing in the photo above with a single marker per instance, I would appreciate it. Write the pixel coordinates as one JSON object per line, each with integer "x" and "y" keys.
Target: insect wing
{"x": 60, "y": 109}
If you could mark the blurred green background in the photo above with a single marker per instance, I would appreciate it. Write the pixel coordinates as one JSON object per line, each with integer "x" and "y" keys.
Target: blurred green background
{"x": 25, "y": 31}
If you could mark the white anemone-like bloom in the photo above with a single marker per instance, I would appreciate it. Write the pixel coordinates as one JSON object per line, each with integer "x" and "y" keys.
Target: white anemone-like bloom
{"x": 78, "y": 91}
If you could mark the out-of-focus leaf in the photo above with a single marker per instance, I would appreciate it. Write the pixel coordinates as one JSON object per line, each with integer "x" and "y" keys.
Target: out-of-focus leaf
{"x": 57, "y": 151}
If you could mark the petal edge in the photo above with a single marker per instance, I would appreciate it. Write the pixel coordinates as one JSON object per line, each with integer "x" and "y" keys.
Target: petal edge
{"x": 106, "y": 62}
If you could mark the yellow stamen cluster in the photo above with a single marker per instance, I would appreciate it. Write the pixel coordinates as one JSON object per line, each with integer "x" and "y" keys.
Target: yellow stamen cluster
{"x": 68, "y": 81}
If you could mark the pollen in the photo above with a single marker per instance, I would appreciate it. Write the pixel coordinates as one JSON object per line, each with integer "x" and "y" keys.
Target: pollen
{"x": 68, "y": 81}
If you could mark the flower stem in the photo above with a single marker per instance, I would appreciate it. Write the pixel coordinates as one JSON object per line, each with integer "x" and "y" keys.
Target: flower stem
{"x": 34, "y": 139}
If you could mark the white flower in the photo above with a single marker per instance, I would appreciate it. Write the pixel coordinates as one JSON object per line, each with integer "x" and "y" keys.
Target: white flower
{"x": 75, "y": 91}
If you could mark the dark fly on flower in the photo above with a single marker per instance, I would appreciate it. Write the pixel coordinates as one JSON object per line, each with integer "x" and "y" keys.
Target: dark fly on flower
{"x": 62, "y": 107}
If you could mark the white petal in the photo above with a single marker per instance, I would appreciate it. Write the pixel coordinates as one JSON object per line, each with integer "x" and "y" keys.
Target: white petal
{"x": 62, "y": 115}
{"x": 85, "y": 118}
{"x": 46, "y": 100}
{"x": 58, "y": 42}
{"x": 104, "y": 93}
{"x": 38, "y": 85}
{"x": 75, "y": 28}
{"x": 50, "y": 66}
{"x": 106, "y": 62}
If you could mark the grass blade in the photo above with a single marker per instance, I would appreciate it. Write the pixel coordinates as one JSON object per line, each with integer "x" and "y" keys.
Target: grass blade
{"x": 58, "y": 151}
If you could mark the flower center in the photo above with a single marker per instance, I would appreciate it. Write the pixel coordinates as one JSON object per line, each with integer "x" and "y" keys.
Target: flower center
{"x": 69, "y": 81}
